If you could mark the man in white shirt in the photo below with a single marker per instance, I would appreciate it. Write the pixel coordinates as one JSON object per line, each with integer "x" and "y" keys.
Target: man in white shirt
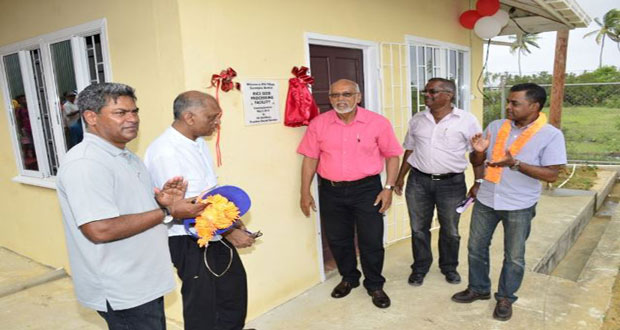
{"x": 71, "y": 115}
{"x": 436, "y": 143}
{"x": 113, "y": 222}
{"x": 214, "y": 297}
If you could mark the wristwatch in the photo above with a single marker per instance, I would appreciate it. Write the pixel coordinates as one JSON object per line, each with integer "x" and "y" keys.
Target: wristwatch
{"x": 479, "y": 181}
{"x": 167, "y": 216}
{"x": 515, "y": 167}
{"x": 388, "y": 187}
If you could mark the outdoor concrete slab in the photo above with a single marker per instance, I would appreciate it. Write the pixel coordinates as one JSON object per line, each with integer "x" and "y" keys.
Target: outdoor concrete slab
{"x": 15, "y": 269}
{"x": 545, "y": 302}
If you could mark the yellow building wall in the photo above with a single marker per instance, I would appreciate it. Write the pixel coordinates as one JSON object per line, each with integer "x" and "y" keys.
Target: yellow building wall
{"x": 145, "y": 52}
{"x": 264, "y": 40}
{"x": 163, "y": 47}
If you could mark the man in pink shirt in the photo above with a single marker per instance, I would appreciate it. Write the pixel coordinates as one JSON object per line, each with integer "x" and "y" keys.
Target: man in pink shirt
{"x": 347, "y": 146}
{"x": 435, "y": 146}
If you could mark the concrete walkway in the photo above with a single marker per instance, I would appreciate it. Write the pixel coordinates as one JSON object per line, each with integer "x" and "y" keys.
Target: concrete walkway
{"x": 545, "y": 302}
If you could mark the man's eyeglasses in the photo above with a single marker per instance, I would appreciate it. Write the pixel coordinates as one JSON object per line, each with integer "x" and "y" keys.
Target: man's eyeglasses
{"x": 345, "y": 95}
{"x": 434, "y": 91}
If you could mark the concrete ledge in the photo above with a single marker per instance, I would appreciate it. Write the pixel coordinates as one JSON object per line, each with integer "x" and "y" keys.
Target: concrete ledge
{"x": 566, "y": 240}
{"x": 603, "y": 185}
{"x": 561, "y": 228}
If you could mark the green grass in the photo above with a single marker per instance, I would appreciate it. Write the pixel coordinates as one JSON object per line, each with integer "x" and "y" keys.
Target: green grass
{"x": 591, "y": 133}
{"x": 583, "y": 179}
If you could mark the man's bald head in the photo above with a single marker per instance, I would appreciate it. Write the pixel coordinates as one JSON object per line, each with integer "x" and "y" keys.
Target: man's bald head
{"x": 346, "y": 82}
{"x": 191, "y": 99}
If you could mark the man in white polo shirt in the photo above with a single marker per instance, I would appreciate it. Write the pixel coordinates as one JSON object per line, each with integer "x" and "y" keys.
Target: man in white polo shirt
{"x": 113, "y": 221}
{"x": 215, "y": 297}
{"x": 435, "y": 147}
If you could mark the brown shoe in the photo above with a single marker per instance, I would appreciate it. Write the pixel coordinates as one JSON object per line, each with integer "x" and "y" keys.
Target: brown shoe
{"x": 468, "y": 296}
{"x": 343, "y": 289}
{"x": 503, "y": 310}
{"x": 380, "y": 298}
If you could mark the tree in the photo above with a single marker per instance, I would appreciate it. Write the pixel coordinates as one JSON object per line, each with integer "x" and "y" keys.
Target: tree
{"x": 521, "y": 44}
{"x": 609, "y": 27}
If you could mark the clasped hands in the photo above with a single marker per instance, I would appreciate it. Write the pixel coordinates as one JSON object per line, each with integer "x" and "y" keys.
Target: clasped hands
{"x": 480, "y": 145}
{"x": 171, "y": 196}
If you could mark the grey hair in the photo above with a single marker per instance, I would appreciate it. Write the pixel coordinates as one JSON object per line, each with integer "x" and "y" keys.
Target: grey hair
{"x": 185, "y": 101}
{"x": 446, "y": 83}
{"x": 97, "y": 96}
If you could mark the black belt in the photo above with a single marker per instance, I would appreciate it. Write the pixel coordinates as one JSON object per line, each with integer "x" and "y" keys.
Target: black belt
{"x": 436, "y": 177}
{"x": 348, "y": 183}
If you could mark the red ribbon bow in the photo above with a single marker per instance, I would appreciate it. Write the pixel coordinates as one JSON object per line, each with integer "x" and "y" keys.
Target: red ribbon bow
{"x": 223, "y": 81}
{"x": 302, "y": 73}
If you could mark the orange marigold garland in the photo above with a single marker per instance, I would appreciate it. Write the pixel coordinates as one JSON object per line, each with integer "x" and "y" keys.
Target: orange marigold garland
{"x": 219, "y": 215}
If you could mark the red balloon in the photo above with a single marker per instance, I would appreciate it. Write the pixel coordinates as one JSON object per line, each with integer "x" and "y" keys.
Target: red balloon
{"x": 487, "y": 7}
{"x": 469, "y": 18}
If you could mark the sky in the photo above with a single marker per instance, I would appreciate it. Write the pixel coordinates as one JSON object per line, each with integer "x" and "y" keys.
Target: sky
{"x": 583, "y": 54}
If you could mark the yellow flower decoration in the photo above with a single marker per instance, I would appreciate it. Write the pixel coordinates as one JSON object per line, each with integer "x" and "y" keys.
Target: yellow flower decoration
{"x": 220, "y": 213}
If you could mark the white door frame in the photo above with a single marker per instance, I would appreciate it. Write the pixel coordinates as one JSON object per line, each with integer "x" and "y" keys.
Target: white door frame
{"x": 371, "y": 92}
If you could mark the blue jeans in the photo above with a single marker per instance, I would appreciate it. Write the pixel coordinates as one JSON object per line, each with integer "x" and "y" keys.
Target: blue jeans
{"x": 423, "y": 194}
{"x": 517, "y": 226}
{"x": 148, "y": 316}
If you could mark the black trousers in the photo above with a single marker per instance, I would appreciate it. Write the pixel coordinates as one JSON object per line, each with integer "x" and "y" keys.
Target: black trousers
{"x": 345, "y": 210}
{"x": 423, "y": 195}
{"x": 148, "y": 316}
{"x": 210, "y": 302}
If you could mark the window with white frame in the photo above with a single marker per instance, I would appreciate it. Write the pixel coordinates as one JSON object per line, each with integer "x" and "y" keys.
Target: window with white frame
{"x": 434, "y": 59}
{"x": 40, "y": 78}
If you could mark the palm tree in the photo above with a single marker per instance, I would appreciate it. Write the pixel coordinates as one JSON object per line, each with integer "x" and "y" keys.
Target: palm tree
{"x": 610, "y": 27}
{"x": 521, "y": 45}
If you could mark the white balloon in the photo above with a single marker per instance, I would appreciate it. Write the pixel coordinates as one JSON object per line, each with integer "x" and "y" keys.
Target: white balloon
{"x": 487, "y": 27}
{"x": 502, "y": 17}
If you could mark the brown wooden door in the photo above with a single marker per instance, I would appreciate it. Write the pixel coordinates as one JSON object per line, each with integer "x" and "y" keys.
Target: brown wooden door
{"x": 328, "y": 64}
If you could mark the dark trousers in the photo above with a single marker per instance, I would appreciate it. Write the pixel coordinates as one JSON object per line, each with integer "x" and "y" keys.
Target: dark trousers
{"x": 149, "y": 316}
{"x": 345, "y": 210}
{"x": 423, "y": 194}
{"x": 210, "y": 302}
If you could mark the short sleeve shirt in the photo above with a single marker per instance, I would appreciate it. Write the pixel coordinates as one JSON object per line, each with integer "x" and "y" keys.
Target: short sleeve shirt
{"x": 97, "y": 181}
{"x": 349, "y": 152}
{"x": 517, "y": 191}
{"x": 439, "y": 148}
{"x": 172, "y": 154}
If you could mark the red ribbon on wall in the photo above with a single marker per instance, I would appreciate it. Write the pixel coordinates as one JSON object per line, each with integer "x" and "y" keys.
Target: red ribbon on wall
{"x": 300, "y": 105}
{"x": 224, "y": 82}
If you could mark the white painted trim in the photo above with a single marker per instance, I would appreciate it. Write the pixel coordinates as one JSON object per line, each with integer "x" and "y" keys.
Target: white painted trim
{"x": 41, "y": 182}
{"x": 372, "y": 65}
{"x": 11, "y": 121}
{"x": 75, "y": 34}
{"x": 372, "y": 101}
{"x": 36, "y": 125}
{"x": 431, "y": 42}
{"x": 467, "y": 93}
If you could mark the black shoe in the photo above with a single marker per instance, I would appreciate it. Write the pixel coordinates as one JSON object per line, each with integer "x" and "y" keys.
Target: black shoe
{"x": 503, "y": 310}
{"x": 469, "y": 296}
{"x": 343, "y": 289}
{"x": 379, "y": 298}
{"x": 416, "y": 279}
{"x": 453, "y": 277}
